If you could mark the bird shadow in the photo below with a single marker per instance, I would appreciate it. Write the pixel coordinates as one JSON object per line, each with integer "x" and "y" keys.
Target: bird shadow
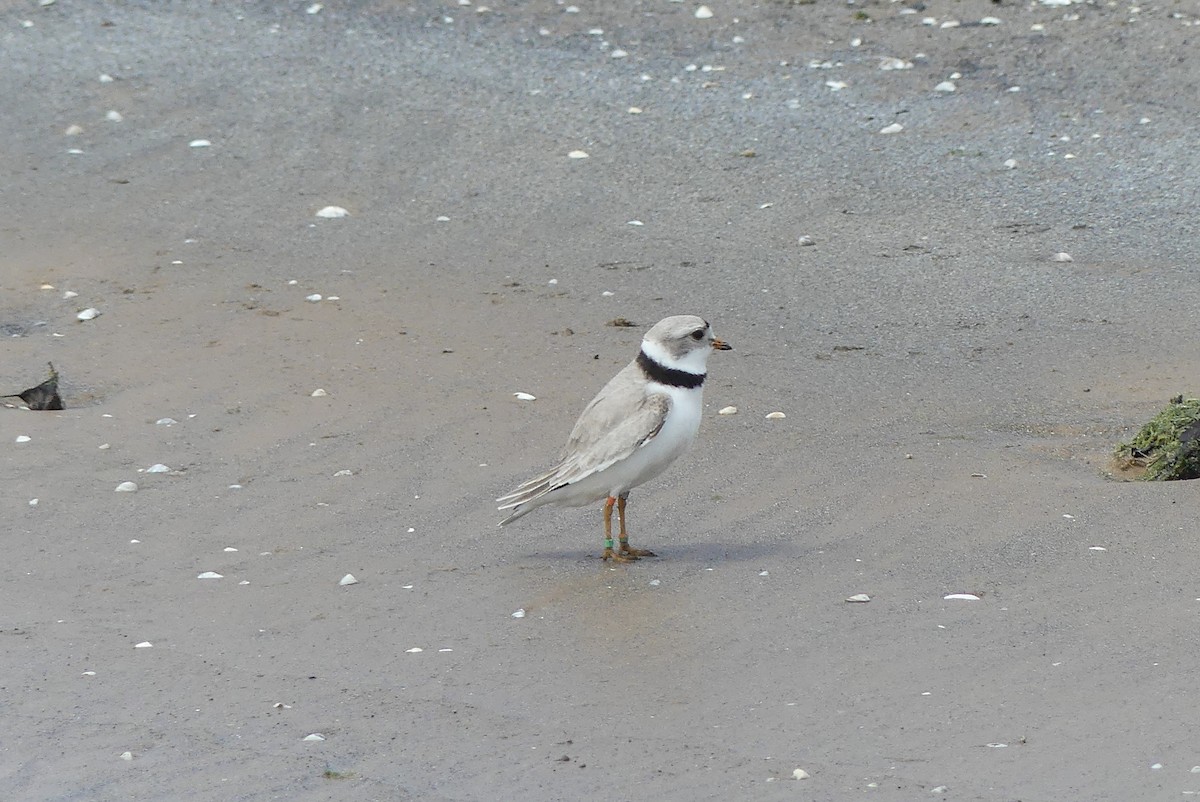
{"x": 698, "y": 553}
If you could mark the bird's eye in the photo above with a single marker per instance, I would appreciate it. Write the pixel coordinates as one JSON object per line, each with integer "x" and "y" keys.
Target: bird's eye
{"x": 698, "y": 334}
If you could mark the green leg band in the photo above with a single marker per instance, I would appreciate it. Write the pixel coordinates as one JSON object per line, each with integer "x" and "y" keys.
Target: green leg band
{"x": 608, "y": 543}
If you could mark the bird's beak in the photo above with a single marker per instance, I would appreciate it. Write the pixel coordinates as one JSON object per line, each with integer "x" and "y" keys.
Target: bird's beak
{"x": 721, "y": 345}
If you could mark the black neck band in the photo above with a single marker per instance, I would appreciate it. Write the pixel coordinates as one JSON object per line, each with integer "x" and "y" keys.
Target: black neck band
{"x": 668, "y": 376}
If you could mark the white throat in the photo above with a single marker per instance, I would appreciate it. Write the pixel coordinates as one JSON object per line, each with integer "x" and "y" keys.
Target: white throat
{"x": 692, "y": 362}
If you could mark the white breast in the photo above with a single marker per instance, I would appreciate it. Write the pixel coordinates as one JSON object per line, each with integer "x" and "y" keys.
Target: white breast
{"x": 677, "y": 433}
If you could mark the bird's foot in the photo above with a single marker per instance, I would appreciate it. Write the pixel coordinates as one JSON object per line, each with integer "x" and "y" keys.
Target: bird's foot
{"x": 617, "y": 556}
{"x": 629, "y": 551}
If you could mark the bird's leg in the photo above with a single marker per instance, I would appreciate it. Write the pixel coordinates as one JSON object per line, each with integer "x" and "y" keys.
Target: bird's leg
{"x": 624, "y": 536}
{"x": 609, "y": 554}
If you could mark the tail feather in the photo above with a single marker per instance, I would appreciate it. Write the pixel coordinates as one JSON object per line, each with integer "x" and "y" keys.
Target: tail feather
{"x": 526, "y": 498}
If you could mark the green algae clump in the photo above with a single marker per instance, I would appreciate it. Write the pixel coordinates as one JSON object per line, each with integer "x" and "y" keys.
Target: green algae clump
{"x": 1167, "y": 448}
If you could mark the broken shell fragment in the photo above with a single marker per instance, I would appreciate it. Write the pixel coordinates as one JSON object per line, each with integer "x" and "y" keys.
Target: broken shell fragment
{"x": 348, "y": 579}
{"x": 332, "y": 212}
{"x": 126, "y": 487}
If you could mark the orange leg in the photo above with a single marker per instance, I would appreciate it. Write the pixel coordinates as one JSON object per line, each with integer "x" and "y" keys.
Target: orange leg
{"x": 609, "y": 554}
{"x": 624, "y": 536}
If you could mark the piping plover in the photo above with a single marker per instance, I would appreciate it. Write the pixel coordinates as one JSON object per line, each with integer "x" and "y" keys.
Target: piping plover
{"x": 643, "y": 419}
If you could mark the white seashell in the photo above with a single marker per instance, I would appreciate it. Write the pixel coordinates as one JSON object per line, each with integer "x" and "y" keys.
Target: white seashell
{"x": 1010, "y": 164}
{"x": 105, "y": 78}
{"x": 316, "y": 736}
{"x": 344, "y": 472}
{"x": 800, "y": 774}
{"x": 318, "y": 393}
{"x": 950, "y": 23}
{"x": 764, "y": 573}
{"x": 1061, "y": 256}
{"x": 158, "y": 467}
{"x": 244, "y": 582}
{"x": 230, "y": 548}
{"x": 89, "y": 673}
{"x": 990, "y": 21}
{"x": 348, "y": 579}
{"x": 892, "y": 63}
{"x": 75, "y": 151}
{"x": 727, "y": 411}
{"x": 33, "y": 502}
{"x": 1090, "y": 548}
{"x": 445, "y": 650}
{"x": 608, "y": 294}
{"x": 165, "y": 422}
{"x": 618, "y": 53}
{"x": 519, "y": 613}
{"x": 655, "y": 583}
{"x": 577, "y": 154}
{"x": 703, "y": 12}
{"x": 315, "y": 8}
{"x": 634, "y": 110}
{"x": 126, "y": 487}
{"x": 775, "y": 416}
{"x": 91, "y": 313}
{"x": 524, "y": 397}
{"x": 805, "y": 241}
{"x": 1157, "y": 766}
{"x": 70, "y": 294}
{"x": 635, "y": 223}
{"x": 127, "y": 756}
{"x": 210, "y": 575}
{"x": 199, "y": 143}
{"x": 859, "y": 598}
{"x": 314, "y": 298}
{"x": 996, "y": 746}
{"x": 135, "y": 541}
{"x": 114, "y": 116}
{"x": 73, "y": 130}
{"x": 414, "y": 650}
{"x": 23, "y": 438}
{"x": 894, "y": 128}
{"x": 144, "y": 645}
{"x": 836, "y": 86}
{"x": 332, "y": 212}
{"x": 945, "y": 86}
{"x": 961, "y": 597}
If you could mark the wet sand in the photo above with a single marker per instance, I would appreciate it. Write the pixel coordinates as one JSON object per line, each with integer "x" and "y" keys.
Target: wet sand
{"x": 952, "y": 395}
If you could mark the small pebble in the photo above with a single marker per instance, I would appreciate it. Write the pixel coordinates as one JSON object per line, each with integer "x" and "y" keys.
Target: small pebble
{"x": 894, "y": 128}
{"x": 519, "y": 613}
{"x": 332, "y": 212}
{"x": 727, "y": 411}
{"x": 126, "y": 487}
{"x": 703, "y": 12}
{"x": 859, "y": 598}
{"x": 775, "y": 416}
{"x": 577, "y": 154}
{"x": 348, "y": 579}
{"x": 524, "y": 397}
{"x": 318, "y": 393}
{"x": 90, "y": 313}
{"x": 210, "y": 575}
{"x": 800, "y": 774}
{"x": 1061, "y": 256}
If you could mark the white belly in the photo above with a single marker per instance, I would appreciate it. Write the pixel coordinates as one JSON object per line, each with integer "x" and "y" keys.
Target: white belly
{"x": 651, "y": 459}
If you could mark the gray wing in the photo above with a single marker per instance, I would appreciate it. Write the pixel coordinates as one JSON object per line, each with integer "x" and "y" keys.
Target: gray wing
{"x": 619, "y": 420}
